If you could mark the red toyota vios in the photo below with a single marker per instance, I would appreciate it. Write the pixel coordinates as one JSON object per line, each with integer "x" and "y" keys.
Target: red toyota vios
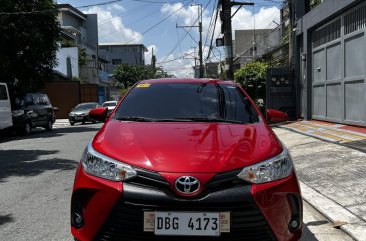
{"x": 186, "y": 159}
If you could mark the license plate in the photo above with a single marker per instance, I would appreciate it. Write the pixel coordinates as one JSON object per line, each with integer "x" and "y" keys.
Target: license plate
{"x": 78, "y": 118}
{"x": 187, "y": 223}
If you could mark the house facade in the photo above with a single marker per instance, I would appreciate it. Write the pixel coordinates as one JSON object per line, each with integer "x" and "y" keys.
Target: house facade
{"x": 330, "y": 60}
{"x": 78, "y": 54}
{"x": 118, "y": 53}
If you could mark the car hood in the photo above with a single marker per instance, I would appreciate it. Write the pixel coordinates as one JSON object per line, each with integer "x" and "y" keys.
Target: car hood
{"x": 186, "y": 146}
{"x": 79, "y": 112}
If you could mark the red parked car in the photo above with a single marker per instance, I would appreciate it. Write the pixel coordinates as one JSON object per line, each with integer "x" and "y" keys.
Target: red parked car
{"x": 186, "y": 159}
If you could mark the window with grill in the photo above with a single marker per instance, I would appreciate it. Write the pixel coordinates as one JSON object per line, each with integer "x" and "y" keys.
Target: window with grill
{"x": 355, "y": 20}
{"x": 327, "y": 33}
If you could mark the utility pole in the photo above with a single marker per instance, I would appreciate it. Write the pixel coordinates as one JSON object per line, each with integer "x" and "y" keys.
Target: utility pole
{"x": 153, "y": 59}
{"x": 226, "y": 29}
{"x": 200, "y": 41}
{"x": 200, "y": 36}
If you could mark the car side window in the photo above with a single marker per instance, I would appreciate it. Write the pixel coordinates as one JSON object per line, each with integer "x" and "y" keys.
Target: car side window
{"x": 3, "y": 94}
{"x": 28, "y": 100}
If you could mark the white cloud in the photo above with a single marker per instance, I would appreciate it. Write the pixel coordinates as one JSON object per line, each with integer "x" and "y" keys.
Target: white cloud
{"x": 148, "y": 55}
{"x": 116, "y": 7}
{"x": 111, "y": 28}
{"x": 180, "y": 67}
{"x": 244, "y": 18}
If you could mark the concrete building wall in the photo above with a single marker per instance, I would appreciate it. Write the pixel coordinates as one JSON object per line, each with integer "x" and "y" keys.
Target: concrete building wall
{"x": 91, "y": 28}
{"x": 68, "y": 53}
{"x": 118, "y": 54}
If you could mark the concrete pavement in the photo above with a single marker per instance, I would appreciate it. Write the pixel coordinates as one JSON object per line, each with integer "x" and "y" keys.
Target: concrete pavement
{"x": 332, "y": 178}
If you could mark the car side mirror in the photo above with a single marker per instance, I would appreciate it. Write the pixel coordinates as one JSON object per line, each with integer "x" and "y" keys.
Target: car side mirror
{"x": 99, "y": 114}
{"x": 276, "y": 116}
{"x": 55, "y": 109}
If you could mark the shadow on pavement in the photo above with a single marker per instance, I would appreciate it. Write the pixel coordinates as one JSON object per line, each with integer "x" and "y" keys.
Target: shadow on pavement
{"x": 26, "y": 163}
{"x": 358, "y": 145}
{"x": 307, "y": 235}
{"x": 316, "y": 223}
{"x": 6, "y": 219}
{"x": 41, "y": 133}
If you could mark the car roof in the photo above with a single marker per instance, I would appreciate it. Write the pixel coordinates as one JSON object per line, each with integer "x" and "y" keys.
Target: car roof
{"x": 186, "y": 80}
{"x": 88, "y": 103}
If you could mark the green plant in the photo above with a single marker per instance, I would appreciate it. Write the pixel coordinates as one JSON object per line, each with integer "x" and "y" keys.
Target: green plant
{"x": 252, "y": 77}
{"x": 28, "y": 43}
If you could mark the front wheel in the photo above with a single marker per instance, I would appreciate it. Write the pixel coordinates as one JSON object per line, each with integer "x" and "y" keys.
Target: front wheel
{"x": 72, "y": 123}
{"x": 27, "y": 128}
{"x": 49, "y": 125}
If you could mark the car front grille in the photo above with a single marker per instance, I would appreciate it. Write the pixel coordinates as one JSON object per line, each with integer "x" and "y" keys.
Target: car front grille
{"x": 220, "y": 181}
{"x": 126, "y": 223}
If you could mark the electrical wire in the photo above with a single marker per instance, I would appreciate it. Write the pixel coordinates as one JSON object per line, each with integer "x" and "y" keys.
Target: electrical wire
{"x": 129, "y": 12}
{"x": 125, "y": 26}
{"x": 161, "y": 21}
{"x": 176, "y": 46}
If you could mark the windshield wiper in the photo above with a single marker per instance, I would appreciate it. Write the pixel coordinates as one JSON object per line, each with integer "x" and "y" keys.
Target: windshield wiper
{"x": 205, "y": 119}
{"x": 135, "y": 118}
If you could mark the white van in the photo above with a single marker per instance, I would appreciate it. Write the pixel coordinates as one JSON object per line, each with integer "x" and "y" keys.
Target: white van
{"x": 5, "y": 108}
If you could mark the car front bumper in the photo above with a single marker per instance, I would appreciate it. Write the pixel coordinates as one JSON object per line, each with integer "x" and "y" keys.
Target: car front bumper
{"x": 76, "y": 119}
{"x": 115, "y": 210}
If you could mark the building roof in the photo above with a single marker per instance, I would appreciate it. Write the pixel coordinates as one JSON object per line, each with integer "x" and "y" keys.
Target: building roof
{"x": 122, "y": 44}
{"x": 72, "y": 10}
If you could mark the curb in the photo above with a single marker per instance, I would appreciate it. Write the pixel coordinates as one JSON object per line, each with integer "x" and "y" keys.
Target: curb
{"x": 322, "y": 138}
{"x": 356, "y": 228}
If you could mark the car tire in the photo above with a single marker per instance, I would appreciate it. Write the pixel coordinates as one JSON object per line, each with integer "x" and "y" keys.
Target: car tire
{"x": 27, "y": 128}
{"x": 83, "y": 123}
{"x": 72, "y": 123}
{"x": 49, "y": 125}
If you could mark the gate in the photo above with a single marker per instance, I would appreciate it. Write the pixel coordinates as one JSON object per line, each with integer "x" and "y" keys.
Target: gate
{"x": 280, "y": 91}
{"x": 339, "y": 68}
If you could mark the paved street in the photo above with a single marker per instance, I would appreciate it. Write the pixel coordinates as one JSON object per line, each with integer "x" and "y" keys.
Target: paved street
{"x": 36, "y": 176}
{"x": 332, "y": 178}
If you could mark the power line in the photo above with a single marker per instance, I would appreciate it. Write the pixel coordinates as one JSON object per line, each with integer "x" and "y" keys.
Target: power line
{"x": 129, "y": 12}
{"x": 176, "y": 46}
{"x": 135, "y": 21}
{"x": 99, "y": 4}
{"x": 158, "y": 23}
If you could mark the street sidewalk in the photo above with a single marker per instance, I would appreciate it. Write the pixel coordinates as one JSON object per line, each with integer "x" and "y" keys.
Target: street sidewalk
{"x": 330, "y": 161}
{"x": 347, "y": 135}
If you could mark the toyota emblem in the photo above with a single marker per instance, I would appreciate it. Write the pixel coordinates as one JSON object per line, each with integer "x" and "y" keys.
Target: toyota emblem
{"x": 187, "y": 184}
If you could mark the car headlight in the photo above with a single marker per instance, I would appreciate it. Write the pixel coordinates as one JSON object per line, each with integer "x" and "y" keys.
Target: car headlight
{"x": 97, "y": 164}
{"x": 273, "y": 169}
{"x": 71, "y": 114}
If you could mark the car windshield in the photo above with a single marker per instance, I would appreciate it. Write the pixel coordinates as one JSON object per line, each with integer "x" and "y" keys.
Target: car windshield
{"x": 109, "y": 104}
{"x": 86, "y": 106}
{"x": 187, "y": 102}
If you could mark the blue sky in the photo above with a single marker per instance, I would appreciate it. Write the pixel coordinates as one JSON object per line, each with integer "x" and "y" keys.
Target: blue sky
{"x": 130, "y": 21}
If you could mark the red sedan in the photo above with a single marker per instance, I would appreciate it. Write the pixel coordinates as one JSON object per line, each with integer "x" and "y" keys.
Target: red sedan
{"x": 186, "y": 159}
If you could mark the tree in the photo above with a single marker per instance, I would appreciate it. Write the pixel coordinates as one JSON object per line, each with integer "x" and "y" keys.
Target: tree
{"x": 252, "y": 77}
{"x": 29, "y": 33}
{"x": 127, "y": 74}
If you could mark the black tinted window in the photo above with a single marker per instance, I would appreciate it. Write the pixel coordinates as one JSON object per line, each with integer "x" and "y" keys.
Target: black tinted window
{"x": 3, "y": 94}
{"x": 187, "y": 100}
